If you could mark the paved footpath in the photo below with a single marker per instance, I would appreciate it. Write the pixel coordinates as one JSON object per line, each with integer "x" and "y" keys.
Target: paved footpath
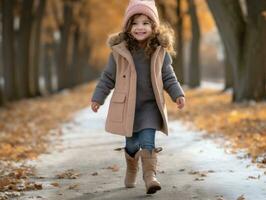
{"x": 191, "y": 166}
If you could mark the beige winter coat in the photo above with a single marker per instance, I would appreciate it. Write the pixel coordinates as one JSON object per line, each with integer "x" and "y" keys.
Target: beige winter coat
{"x": 120, "y": 117}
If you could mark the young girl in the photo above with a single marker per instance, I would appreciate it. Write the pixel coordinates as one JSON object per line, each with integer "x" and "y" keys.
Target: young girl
{"x": 139, "y": 69}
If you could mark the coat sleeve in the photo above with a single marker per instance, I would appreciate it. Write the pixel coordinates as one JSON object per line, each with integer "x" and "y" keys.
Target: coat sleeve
{"x": 170, "y": 82}
{"x": 106, "y": 82}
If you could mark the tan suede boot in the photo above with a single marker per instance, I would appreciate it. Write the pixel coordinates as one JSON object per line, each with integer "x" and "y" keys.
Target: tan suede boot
{"x": 149, "y": 163}
{"x": 132, "y": 170}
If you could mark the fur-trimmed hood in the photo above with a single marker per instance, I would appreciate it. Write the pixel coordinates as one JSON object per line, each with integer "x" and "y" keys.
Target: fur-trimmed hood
{"x": 114, "y": 39}
{"x": 164, "y": 38}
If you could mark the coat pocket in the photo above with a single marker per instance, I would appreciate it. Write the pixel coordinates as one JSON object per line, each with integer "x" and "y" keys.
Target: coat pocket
{"x": 117, "y": 105}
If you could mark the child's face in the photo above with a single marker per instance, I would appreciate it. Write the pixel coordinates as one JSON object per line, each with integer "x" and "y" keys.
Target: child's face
{"x": 141, "y": 28}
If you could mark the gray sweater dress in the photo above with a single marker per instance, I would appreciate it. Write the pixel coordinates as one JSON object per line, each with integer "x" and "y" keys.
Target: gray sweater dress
{"x": 147, "y": 114}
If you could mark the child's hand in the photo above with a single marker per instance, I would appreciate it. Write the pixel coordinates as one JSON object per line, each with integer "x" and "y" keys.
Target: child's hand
{"x": 95, "y": 106}
{"x": 180, "y": 101}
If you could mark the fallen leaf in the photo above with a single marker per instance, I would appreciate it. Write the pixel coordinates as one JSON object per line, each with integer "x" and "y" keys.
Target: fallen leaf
{"x": 118, "y": 149}
{"x": 68, "y": 174}
{"x": 33, "y": 186}
{"x": 55, "y": 184}
{"x": 72, "y": 187}
{"x": 199, "y": 179}
{"x": 252, "y": 177}
{"x": 94, "y": 174}
{"x": 114, "y": 168}
{"x": 4, "y": 182}
{"x": 38, "y": 186}
{"x": 193, "y": 172}
{"x": 241, "y": 197}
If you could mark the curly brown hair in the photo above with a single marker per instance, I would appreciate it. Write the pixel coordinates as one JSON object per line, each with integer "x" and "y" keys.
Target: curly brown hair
{"x": 162, "y": 35}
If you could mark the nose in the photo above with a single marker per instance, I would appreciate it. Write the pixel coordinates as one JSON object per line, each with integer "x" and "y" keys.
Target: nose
{"x": 139, "y": 26}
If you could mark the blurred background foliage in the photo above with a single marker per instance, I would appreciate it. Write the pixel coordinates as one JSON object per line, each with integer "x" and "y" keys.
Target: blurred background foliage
{"x": 50, "y": 45}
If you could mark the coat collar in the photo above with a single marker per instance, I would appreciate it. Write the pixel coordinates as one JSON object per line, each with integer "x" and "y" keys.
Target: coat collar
{"x": 122, "y": 50}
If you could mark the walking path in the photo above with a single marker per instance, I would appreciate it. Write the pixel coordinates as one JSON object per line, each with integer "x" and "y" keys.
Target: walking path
{"x": 191, "y": 166}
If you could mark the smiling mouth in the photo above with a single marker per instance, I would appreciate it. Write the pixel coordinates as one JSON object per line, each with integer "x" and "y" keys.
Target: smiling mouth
{"x": 140, "y": 33}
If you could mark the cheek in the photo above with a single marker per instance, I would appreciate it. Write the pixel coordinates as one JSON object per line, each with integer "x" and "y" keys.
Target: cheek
{"x": 149, "y": 30}
{"x": 132, "y": 29}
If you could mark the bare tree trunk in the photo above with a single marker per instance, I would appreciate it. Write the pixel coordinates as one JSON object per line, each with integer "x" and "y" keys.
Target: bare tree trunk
{"x": 229, "y": 20}
{"x": 35, "y": 49}
{"x": 75, "y": 66}
{"x": 8, "y": 50}
{"x": 24, "y": 36}
{"x": 164, "y": 10}
{"x": 46, "y": 67}
{"x": 228, "y": 74}
{"x": 253, "y": 61}
{"x": 86, "y": 73}
{"x": 64, "y": 45}
{"x": 245, "y": 43}
{"x": 2, "y": 100}
{"x": 1, "y": 96}
{"x": 194, "y": 73}
{"x": 178, "y": 61}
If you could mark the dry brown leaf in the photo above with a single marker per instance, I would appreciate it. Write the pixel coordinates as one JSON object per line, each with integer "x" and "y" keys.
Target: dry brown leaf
{"x": 199, "y": 179}
{"x": 4, "y": 182}
{"x": 114, "y": 168}
{"x": 241, "y": 197}
{"x": 118, "y": 149}
{"x": 193, "y": 172}
{"x": 73, "y": 187}
{"x": 68, "y": 174}
{"x": 252, "y": 177}
{"x": 95, "y": 174}
{"x": 55, "y": 184}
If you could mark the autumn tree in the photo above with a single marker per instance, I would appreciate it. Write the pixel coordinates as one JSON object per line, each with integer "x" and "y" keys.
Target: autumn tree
{"x": 242, "y": 30}
{"x": 228, "y": 72}
{"x": 34, "y": 52}
{"x": 22, "y": 52}
{"x": 194, "y": 77}
{"x": 8, "y": 51}
{"x": 179, "y": 60}
{"x": 172, "y": 13}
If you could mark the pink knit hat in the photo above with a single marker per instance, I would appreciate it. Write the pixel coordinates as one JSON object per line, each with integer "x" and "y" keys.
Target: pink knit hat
{"x": 146, "y": 7}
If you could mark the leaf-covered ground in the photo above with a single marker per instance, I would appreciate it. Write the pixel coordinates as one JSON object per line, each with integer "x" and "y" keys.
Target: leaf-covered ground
{"x": 244, "y": 125}
{"x": 26, "y": 127}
